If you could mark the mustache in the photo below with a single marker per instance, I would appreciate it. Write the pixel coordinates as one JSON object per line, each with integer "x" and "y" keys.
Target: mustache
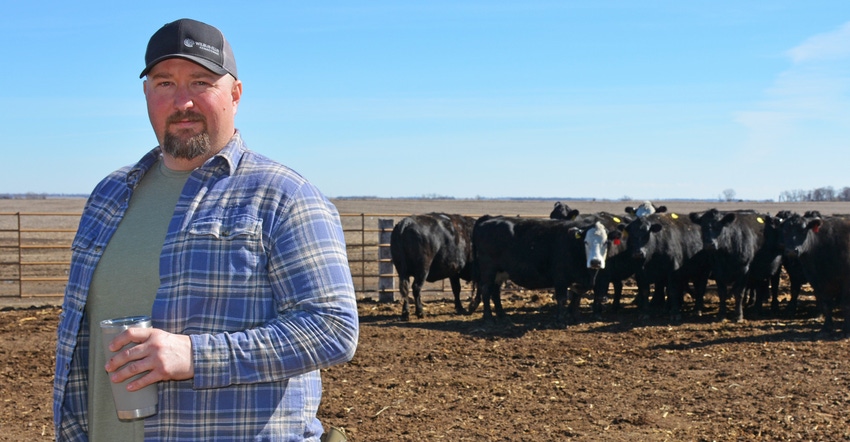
{"x": 185, "y": 116}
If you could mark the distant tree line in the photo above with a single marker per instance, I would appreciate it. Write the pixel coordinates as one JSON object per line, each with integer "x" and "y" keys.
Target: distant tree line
{"x": 819, "y": 194}
{"x": 23, "y": 196}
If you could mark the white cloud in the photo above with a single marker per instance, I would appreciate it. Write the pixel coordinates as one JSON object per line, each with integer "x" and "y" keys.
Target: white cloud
{"x": 823, "y": 47}
{"x": 814, "y": 90}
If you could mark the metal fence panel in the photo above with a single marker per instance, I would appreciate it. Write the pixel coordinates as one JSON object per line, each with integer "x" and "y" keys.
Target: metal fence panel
{"x": 35, "y": 255}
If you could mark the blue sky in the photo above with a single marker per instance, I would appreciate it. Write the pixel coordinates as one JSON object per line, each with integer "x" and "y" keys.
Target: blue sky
{"x": 599, "y": 99}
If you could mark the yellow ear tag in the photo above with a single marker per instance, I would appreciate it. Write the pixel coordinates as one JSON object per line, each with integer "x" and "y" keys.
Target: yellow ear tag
{"x": 761, "y": 221}
{"x": 578, "y": 235}
{"x": 674, "y": 216}
{"x": 616, "y": 220}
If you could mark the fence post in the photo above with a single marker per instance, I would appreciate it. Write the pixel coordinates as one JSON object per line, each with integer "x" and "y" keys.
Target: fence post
{"x": 386, "y": 280}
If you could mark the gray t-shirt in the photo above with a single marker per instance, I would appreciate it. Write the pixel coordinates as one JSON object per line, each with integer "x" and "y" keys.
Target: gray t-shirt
{"x": 125, "y": 284}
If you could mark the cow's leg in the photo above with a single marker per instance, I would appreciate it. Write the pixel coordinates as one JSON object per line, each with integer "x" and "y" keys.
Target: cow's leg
{"x": 600, "y": 291}
{"x": 561, "y": 296}
{"x": 486, "y": 291}
{"x": 738, "y": 292}
{"x": 575, "y": 304}
{"x": 825, "y": 305}
{"x": 455, "y": 282}
{"x": 418, "y": 282}
{"x": 497, "y": 301}
{"x": 675, "y": 295}
{"x": 722, "y": 293}
{"x": 642, "y": 298}
{"x": 791, "y": 309}
{"x": 774, "y": 292}
{"x": 475, "y": 301}
{"x": 618, "y": 292}
{"x": 700, "y": 284}
{"x": 404, "y": 291}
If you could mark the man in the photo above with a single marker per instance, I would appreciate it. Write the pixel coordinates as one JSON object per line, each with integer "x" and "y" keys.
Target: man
{"x": 239, "y": 260}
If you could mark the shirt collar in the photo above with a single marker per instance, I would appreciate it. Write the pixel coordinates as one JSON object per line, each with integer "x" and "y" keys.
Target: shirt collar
{"x": 227, "y": 158}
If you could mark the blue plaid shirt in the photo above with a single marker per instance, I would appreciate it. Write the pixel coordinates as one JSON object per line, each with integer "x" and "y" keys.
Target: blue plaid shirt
{"x": 254, "y": 270}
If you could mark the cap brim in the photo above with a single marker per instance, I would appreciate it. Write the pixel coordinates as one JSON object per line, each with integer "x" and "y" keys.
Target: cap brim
{"x": 201, "y": 61}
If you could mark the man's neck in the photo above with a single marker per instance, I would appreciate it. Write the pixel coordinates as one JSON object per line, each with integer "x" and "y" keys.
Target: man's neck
{"x": 182, "y": 164}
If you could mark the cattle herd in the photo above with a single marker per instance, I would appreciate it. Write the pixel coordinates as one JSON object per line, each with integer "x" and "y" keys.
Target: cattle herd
{"x": 667, "y": 255}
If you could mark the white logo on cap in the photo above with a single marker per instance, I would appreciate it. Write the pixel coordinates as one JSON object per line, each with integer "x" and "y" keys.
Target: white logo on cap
{"x": 189, "y": 43}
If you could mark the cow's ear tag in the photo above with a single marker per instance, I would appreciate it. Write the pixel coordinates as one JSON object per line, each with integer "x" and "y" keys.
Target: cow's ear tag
{"x": 617, "y": 241}
{"x": 815, "y": 228}
{"x": 578, "y": 234}
{"x": 616, "y": 220}
{"x": 674, "y": 216}
{"x": 760, "y": 220}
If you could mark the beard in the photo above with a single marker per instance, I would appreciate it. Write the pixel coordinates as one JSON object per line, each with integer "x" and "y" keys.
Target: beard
{"x": 186, "y": 146}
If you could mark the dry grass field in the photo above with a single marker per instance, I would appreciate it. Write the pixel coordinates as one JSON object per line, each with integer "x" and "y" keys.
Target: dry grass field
{"x": 457, "y": 378}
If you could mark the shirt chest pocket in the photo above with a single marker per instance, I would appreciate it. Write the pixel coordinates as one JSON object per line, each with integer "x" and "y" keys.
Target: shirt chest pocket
{"x": 225, "y": 249}
{"x": 231, "y": 228}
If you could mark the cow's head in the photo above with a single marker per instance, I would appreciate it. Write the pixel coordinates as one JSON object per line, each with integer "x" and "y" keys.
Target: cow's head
{"x": 644, "y": 209}
{"x": 639, "y": 233}
{"x": 598, "y": 242}
{"x": 797, "y": 232}
{"x": 712, "y": 222}
{"x": 563, "y": 211}
{"x": 773, "y": 232}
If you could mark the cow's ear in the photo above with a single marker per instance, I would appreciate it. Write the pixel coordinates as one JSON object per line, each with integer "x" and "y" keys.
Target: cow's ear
{"x": 575, "y": 231}
{"x": 729, "y": 218}
{"x": 572, "y": 214}
{"x": 655, "y": 228}
{"x": 694, "y": 216}
{"x": 660, "y": 209}
{"x": 630, "y": 210}
{"x": 615, "y": 236}
{"x": 815, "y": 224}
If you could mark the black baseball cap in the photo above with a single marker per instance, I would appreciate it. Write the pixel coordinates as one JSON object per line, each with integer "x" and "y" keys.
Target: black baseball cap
{"x": 194, "y": 41}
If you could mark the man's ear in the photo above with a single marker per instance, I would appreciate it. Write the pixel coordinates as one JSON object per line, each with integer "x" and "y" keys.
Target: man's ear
{"x": 236, "y": 94}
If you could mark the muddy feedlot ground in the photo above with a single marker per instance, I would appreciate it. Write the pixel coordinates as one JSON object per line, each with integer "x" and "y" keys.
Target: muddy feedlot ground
{"x": 456, "y": 378}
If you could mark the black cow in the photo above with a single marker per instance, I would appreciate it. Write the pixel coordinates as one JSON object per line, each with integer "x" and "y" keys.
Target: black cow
{"x": 563, "y": 211}
{"x": 774, "y": 240}
{"x": 668, "y": 250}
{"x": 739, "y": 257}
{"x": 758, "y": 291}
{"x": 537, "y": 254}
{"x": 822, "y": 246}
{"x": 431, "y": 247}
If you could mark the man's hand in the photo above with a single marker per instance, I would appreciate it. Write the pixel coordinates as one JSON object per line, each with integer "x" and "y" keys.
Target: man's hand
{"x": 165, "y": 356}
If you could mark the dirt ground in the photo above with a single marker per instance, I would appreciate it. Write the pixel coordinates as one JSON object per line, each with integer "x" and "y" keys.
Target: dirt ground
{"x": 457, "y": 378}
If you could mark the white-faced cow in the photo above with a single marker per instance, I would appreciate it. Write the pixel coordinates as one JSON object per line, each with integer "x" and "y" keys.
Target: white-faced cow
{"x": 616, "y": 269}
{"x": 822, "y": 246}
{"x": 736, "y": 246}
{"x": 538, "y": 254}
{"x": 645, "y": 208}
{"x": 431, "y": 247}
